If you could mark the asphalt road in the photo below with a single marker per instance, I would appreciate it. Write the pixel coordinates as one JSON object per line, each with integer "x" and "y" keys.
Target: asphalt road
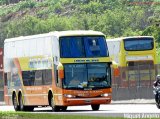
{"x": 111, "y": 110}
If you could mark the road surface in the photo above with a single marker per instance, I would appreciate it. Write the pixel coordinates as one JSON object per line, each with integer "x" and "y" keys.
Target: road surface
{"x": 113, "y": 110}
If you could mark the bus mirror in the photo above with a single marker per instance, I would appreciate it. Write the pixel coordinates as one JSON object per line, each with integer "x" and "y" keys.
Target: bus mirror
{"x": 61, "y": 73}
{"x": 116, "y": 72}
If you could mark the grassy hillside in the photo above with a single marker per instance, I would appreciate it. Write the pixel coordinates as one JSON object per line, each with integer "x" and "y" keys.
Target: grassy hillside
{"x": 113, "y": 17}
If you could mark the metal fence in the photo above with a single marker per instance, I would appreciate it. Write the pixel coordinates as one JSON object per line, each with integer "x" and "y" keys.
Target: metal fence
{"x": 134, "y": 82}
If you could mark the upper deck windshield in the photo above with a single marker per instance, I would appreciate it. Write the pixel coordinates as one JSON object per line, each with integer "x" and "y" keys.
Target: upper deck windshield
{"x": 83, "y": 46}
{"x": 138, "y": 44}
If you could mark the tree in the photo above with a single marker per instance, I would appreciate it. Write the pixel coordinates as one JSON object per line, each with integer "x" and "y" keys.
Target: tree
{"x": 153, "y": 31}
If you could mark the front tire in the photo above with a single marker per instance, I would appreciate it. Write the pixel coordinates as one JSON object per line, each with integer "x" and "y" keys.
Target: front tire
{"x": 95, "y": 107}
{"x": 15, "y": 103}
{"x": 54, "y": 107}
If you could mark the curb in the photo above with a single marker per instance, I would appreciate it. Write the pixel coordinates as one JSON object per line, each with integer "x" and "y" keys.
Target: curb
{"x": 134, "y": 101}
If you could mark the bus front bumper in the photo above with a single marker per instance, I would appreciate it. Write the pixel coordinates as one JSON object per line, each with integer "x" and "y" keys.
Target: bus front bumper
{"x": 87, "y": 101}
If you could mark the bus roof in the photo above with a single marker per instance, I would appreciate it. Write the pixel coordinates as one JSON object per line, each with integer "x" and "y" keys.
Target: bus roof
{"x": 123, "y": 38}
{"x": 57, "y": 34}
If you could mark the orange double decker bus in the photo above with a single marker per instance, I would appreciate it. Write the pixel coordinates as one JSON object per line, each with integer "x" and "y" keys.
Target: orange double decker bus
{"x": 57, "y": 69}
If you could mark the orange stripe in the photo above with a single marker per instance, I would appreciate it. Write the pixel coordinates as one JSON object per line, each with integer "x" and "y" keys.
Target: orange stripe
{"x": 17, "y": 64}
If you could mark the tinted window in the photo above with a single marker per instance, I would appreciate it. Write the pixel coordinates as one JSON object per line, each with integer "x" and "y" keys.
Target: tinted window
{"x": 87, "y": 76}
{"x": 138, "y": 44}
{"x": 86, "y": 46}
{"x": 72, "y": 47}
{"x": 98, "y": 75}
{"x": 47, "y": 77}
{"x": 28, "y": 78}
{"x": 56, "y": 74}
{"x": 74, "y": 75}
{"x": 37, "y": 77}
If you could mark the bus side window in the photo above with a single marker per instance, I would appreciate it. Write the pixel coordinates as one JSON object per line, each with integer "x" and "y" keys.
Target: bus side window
{"x": 47, "y": 77}
{"x": 27, "y": 78}
{"x": 57, "y": 80}
{"x": 55, "y": 74}
{"x": 38, "y": 78}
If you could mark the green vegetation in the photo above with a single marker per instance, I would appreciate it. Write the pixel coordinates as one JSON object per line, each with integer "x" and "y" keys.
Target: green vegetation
{"x": 22, "y": 115}
{"x": 114, "y": 18}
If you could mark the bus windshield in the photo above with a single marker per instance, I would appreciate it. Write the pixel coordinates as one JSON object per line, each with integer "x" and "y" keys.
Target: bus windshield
{"x": 83, "y": 46}
{"x": 87, "y": 76}
{"x": 138, "y": 44}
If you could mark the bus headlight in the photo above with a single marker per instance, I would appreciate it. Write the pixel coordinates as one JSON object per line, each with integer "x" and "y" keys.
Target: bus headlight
{"x": 69, "y": 96}
{"x": 105, "y": 94}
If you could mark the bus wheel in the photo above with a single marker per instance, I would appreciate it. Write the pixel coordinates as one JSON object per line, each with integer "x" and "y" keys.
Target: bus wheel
{"x": 22, "y": 108}
{"x": 63, "y": 108}
{"x": 15, "y": 103}
{"x": 54, "y": 107}
{"x": 95, "y": 107}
